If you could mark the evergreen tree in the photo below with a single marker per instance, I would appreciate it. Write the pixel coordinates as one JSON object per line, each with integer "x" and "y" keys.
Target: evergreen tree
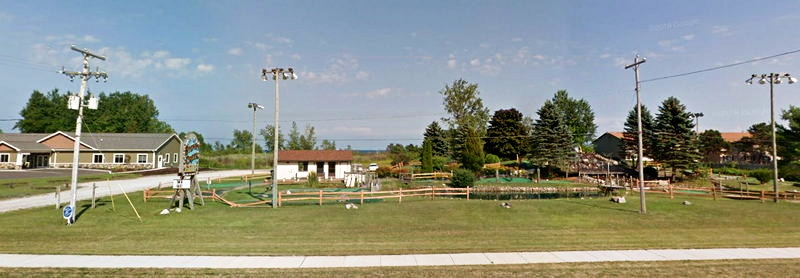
{"x": 427, "y": 156}
{"x": 711, "y": 144}
{"x": 472, "y": 154}
{"x": 630, "y": 138}
{"x": 506, "y": 134}
{"x": 294, "y": 139}
{"x": 308, "y": 141}
{"x": 788, "y": 138}
{"x": 578, "y": 116}
{"x": 674, "y": 145}
{"x": 551, "y": 140}
{"x": 437, "y": 137}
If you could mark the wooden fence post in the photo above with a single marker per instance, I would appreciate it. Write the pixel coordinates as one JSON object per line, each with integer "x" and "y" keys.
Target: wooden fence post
{"x": 714, "y": 192}
{"x": 400, "y": 200}
{"x": 94, "y": 187}
{"x": 320, "y": 198}
{"x": 671, "y": 195}
{"x": 58, "y": 197}
{"x": 433, "y": 193}
{"x": 468, "y": 192}
{"x": 362, "y": 197}
{"x": 762, "y": 196}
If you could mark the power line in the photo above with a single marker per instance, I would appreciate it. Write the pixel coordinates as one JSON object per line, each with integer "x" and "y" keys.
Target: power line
{"x": 720, "y": 67}
{"x": 365, "y": 118}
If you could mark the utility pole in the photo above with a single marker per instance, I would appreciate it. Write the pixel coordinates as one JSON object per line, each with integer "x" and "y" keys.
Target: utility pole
{"x": 635, "y": 66}
{"x": 773, "y": 78}
{"x": 276, "y": 74}
{"x": 76, "y": 103}
{"x": 254, "y": 106}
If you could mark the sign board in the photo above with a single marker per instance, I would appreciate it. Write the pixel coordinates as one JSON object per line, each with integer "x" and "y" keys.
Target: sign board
{"x": 181, "y": 184}
{"x": 67, "y": 212}
{"x": 191, "y": 155}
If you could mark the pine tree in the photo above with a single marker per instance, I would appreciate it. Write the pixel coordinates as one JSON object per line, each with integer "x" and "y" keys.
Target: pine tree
{"x": 675, "y": 145}
{"x": 472, "y": 154}
{"x": 630, "y": 139}
{"x": 506, "y": 134}
{"x": 438, "y": 139}
{"x": 551, "y": 141}
{"x": 427, "y": 157}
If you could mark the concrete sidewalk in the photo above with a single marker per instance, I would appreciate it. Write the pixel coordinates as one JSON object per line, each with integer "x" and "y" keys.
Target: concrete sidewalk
{"x": 108, "y": 188}
{"x": 99, "y": 261}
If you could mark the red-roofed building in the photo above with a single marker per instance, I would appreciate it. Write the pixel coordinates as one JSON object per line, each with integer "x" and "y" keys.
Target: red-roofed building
{"x": 327, "y": 164}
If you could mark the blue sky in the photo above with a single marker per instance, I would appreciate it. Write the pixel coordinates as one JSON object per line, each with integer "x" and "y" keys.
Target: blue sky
{"x": 370, "y": 70}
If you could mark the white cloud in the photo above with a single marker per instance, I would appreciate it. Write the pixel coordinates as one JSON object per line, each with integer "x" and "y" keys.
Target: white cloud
{"x": 475, "y": 62}
{"x": 70, "y": 39}
{"x": 605, "y": 56}
{"x": 205, "y": 68}
{"x": 721, "y": 30}
{"x": 4, "y": 17}
{"x": 90, "y": 38}
{"x": 340, "y": 70}
{"x": 452, "y": 62}
{"x": 282, "y": 40}
{"x": 235, "y": 51}
{"x": 517, "y": 39}
{"x": 382, "y": 92}
{"x": 688, "y": 37}
{"x": 211, "y": 39}
{"x": 295, "y": 56}
{"x": 159, "y": 54}
{"x": 538, "y": 57}
{"x": 485, "y": 45}
{"x": 177, "y": 63}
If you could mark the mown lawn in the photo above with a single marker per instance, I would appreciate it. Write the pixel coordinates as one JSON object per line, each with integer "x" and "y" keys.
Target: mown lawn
{"x": 415, "y": 226}
{"x": 15, "y": 188}
{"x": 724, "y": 268}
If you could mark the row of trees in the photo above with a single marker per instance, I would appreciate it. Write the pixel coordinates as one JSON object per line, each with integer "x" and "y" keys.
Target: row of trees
{"x": 563, "y": 125}
{"x": 122, "y": 112}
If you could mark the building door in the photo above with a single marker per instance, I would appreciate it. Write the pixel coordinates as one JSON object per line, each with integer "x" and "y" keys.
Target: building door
{"x": 321, "y": 169}
{"x": 331, "y": 170}
{"x": 160, "y": 161}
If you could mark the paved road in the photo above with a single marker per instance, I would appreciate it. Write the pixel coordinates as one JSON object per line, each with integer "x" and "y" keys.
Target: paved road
{"x": 45, "y": 173}
{"x": 94, "y": 261}
{"x": 85, "y": 189}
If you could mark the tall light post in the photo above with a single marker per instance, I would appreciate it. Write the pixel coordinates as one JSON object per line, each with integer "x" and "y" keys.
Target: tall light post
{"x": 76, "y": 103}
{"x": 276, "y": 74}
{"x": 773, "y": 78}
{"x": 255, "y": 107}
{"x": 697, "y": 117}
{"x": 635, "y": 66}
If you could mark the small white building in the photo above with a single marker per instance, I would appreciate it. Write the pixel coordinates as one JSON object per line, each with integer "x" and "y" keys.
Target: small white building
{"x": 327, "y": 164}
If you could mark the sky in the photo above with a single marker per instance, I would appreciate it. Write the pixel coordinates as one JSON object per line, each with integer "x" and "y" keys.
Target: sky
{"x": 370, "y": 72}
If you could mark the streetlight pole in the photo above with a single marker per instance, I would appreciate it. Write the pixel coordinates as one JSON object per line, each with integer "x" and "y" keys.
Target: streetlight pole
{"x": 635, "y": 66}
{"x": 697, "y": 122}
{"x": 276, "y": 74}
{"x": 773, "y": 78}
{"x": 76, "y": 103}
{"x": 254, "y": 106}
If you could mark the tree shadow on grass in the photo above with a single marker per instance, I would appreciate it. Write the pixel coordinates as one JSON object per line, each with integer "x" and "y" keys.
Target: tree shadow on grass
{"x": 601, "y": 207}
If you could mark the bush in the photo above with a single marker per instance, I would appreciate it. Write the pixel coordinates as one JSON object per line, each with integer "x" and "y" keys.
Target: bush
{"x": 490, "y": 158}
{"x": 762, "y": 175}
{"x": 313, "y": 180}
{"x": 439, "y": 163}
{"x": 462, "y": 178}
{"x": 383, "y": 172}
{"x": 650, "y": 172}
{"x": 790, "y": 172}
{"x": 489, "y": 172}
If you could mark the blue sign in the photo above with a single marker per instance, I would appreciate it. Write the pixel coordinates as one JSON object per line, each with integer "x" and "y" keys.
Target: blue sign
{"x": 68, "y": 211}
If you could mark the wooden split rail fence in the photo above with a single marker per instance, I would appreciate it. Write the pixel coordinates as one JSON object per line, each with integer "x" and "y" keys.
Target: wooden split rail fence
{"x": 717, "y": 192}
{"x": 434, "y": 175}
{"x": 361, "y": 196}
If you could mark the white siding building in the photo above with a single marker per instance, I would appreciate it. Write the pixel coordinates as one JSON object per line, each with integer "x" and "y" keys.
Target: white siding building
{"x": 327, "y": 164}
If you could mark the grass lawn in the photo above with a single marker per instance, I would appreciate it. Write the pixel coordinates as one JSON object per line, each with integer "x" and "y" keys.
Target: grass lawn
{"x": 415, "y": 226}
{"x": 15, "y": 188}
{"x": 724, "y": 268}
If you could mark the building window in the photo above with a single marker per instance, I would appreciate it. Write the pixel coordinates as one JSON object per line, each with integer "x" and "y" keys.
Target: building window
{"x": 119, "y": 158}
{"x": 303, "y": 166}
{"x": 166, "y": 158}
{"x": 175, "y": 159}
{"x": 4, "y": 157}
{"x": 97, "y": 158}
{"x": 141, "y": 158}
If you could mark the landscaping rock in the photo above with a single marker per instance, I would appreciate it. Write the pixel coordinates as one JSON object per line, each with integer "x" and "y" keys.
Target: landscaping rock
{"x": 618, "y": 199}
{"x": 687, "y": 203}
{"x": 165, "y": 212}
{"x": 506, "y": 205}
{"x": 350, "y": 206}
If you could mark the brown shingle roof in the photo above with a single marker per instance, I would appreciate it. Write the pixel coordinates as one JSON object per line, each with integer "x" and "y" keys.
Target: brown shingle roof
{"x": 616, "y": 134}
{"x": 734, "y": 136}
{"x": 314, "y": 155}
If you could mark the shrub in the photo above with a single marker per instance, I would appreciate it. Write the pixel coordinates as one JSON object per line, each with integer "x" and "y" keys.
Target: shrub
{"x": 650, "y": 172}
{"x": 313, "y": 180}
{"x": 383, "y": 172}
{"x": 489, "y": 172}
{"x": 790, "y": 172}
{"x": 439, "y": 163}
{"x": 762, "y": 175}
{"x": 462, "y": 178}
{"x": 490, "y": 158}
